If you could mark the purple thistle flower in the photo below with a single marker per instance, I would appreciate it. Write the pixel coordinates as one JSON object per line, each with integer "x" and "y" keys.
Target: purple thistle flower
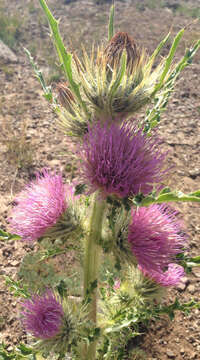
{"x": 171, "y": 277}
{"x": 42, "y": 315}
{"x": 39, "y": 206}
{"x": 121, "y": 160}
{"x": 155, "y": 239}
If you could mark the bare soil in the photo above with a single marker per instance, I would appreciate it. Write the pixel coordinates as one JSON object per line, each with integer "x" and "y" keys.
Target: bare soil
{"x": 21, "y": 102}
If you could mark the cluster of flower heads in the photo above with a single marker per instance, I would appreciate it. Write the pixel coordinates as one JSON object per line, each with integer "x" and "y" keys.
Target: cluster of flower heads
{"x": 40, "y": 206}
{"x": 120, "y": 161}
{"x": 123, "y": 161}
{"x": 155, "y": 238}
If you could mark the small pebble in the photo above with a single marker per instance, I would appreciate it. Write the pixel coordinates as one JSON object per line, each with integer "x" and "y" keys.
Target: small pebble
{"x": 191, "y": 289}
{"x": 170, "y": 354}
{"x": 181, "y": 286}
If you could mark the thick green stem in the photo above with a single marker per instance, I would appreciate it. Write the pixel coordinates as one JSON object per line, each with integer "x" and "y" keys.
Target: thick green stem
{"x": 91, "y": 264}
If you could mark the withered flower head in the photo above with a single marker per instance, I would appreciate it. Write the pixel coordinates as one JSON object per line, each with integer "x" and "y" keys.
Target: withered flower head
{"x": 120, "y": 42}
{"x": 65, "y": 97}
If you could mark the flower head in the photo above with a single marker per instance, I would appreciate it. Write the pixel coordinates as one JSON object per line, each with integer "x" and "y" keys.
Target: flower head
{"x": 155, "y": 239}
{"x": 121, "y": 160}
{"x": 65, "y": 96}
{"x": 122, "y": 41}
{"x": 107, "y": 93}
{"x": 171, "y": 277}
{"x": 42, "y": 315}
{"x": 39, "y": 206}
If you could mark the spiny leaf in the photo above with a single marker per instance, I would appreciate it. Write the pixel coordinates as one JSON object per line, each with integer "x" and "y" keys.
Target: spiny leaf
{"x": 17, "y": 288}
{"x": 47, "y": 89}
{"x": 118, "y": 328}
{"x": 24, "y": 349}
{"x": 157, "y": 50}
{"x": 7, "y": 236}
{"x": 169, "y": 59}
{"x": 51, "y": 253}
{"x": 166, "y": 195}
{"x": 188, "y": 262}
{"x": 162, "y": 98}
{"x": 170, "y": 309}
{"x": 111, "y": 23}
{"x": 19, "y": 353}
{"x": 120, "y": 75}
{"x": 64, "y": 57}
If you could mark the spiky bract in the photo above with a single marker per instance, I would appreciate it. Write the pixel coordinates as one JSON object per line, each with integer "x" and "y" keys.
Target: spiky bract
{"x": 155, "y": 238}
{"x": 117, "y": 80}
{"x": 115, "y": 91}
{"x": 39, "y": 206}
{"x": 112, "y": 86}
{"x": 121, "y": 161}
{"x": 42, "y": 315}
{"x": 141, "y": 289}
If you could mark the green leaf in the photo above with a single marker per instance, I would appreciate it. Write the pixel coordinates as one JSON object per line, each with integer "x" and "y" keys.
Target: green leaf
{"x": 170, "y": 309}
{"x": 17, "y": 288}
{"x": 165, "y": 196}
{"x": 25, "y": 350}
{"x": 7, "y": 236}
{"x": 51, "y": 253}
{"x": 161, "y": 100}
{"x": 188, "y": 262}
{"x": 62, "y": 288}
{"x": 37, "y": 274}
{"x": 196, "y": 193}
{"x": 64, "y": 57}
{"x": 19, "y": 353}
{"x": 118, "y": 328}
{"x": 111, "y": 23}
{"x": 195, "y": 260}
{"x": 157, "y": 50}
{"x": 169, "y": 59}
{"x": 120, "y": 74}
{"x": 79, "y": 189}
{"x": 47, "y": 89}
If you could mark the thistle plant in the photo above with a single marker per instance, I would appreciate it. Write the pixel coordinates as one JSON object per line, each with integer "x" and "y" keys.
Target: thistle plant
{"x": 119, "y": 207}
